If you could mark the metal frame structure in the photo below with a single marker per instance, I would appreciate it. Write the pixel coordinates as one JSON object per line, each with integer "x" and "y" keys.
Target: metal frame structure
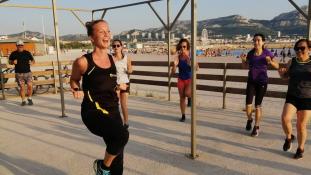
{"x": 168, "y": 27}
{"x": 307, "y": 16}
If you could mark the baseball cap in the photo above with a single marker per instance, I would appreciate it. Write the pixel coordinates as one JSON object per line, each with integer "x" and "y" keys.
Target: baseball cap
{"x": 19, "y": 42}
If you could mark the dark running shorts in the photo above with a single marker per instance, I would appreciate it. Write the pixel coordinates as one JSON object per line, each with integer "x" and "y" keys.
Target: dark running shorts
{"x": 299, "y": 103}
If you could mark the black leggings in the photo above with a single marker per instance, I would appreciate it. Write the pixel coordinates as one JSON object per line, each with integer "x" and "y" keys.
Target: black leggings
{"x": 110, "y": 128}
{"x": 255, "y": 89}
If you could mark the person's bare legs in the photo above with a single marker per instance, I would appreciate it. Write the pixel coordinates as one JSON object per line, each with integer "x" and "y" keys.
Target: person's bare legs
{"x": 108, "y": 159}
{"x": 303, "y": 117}
{"x": 124, "y": 106}
{"x": 249, "y": 111}
{"x": 288, "y": 111}
{"x": 29, "y": 89}
{"x": 258, "y": 115}
{"x": 22, "y": 90}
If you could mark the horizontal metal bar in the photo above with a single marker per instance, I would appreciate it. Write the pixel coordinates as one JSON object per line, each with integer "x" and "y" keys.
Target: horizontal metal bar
{"x": 126, "y": 5}
{"x": 43, "y": 7}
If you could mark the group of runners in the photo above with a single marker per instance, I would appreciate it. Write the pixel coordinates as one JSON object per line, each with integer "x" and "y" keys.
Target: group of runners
{"x": 105, "y": 82}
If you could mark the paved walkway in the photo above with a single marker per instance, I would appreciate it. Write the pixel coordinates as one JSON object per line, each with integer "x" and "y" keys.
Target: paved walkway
{"x": 34, "y": 141}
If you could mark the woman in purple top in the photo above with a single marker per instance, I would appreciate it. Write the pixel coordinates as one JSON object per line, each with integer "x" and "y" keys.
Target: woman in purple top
{"x": 257, "y": 61}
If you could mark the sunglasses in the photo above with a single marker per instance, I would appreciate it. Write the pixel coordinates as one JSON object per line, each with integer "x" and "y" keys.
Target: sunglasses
{"x": 116, "y": 46}
{"x": 300, "y": 48}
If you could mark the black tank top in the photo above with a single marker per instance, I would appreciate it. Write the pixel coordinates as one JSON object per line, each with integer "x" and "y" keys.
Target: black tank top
{"x": 100, "y": 83}
{"x": 300, "y": 79}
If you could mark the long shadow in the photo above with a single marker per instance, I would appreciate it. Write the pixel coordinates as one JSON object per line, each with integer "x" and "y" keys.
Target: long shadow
{"x": 175, "y": 160}
{"x": 167, "y": 139}
{"x": 56, "y": 100}
{"x": 34, "y": 112}
{"x": 50, "y": 143}
{"x": 71, "y": 131}
{"x": 27, "y": 167}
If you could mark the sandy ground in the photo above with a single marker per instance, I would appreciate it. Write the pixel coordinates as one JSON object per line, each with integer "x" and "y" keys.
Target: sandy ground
{"x": 34, "y": 141}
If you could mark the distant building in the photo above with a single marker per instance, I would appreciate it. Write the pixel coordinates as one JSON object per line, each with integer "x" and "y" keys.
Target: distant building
{"x": 4, "y": 37}
{"x": 279, "y": 34}
{"x": 9, "y": 45}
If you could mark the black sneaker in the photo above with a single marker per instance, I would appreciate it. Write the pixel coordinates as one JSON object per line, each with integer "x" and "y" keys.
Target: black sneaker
{"x": 98, "y": 169}
{"x": 255, "y": 131}
{"x": 189, "y": 102}
{"x": 23, "y": 103}
{"x": 299, "y": 154}
{"x": 288, "y": 143}
{"x": 30, "y": 102}
{"x": 183, "y": 118}
{"x": 249, "y": 125}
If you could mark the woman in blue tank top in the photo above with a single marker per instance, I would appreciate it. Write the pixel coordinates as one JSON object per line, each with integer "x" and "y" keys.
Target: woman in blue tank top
{"x": 183, "y": 62}
{"x": 298, "y": 98}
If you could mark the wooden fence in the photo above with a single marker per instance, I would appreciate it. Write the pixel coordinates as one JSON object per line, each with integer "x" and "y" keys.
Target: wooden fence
{"x": 47, "y": 69}
{"x": 224, "y": 78}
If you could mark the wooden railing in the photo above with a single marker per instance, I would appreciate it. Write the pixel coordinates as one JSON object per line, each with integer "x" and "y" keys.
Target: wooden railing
{"x": 48, "y": 69}
{"x": 224, "y": 78}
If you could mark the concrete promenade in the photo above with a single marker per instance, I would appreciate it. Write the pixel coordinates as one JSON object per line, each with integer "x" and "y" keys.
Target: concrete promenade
{"x": 34, "y": 141}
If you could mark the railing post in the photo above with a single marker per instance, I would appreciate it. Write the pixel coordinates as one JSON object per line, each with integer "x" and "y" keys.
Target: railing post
{"x": 54, "y": 77}
{"x": 2, "y": 81}
{"x": 224, "y": 88}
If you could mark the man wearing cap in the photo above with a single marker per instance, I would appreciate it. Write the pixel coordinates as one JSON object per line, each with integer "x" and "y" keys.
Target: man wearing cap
{"x": 22, "y": 60}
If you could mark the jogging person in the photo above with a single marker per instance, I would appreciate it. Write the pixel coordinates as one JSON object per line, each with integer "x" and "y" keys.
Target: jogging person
{"x": 22, "y": 60}
{"x": 124, "y": 68}
{"x": 100, "y": 108}
{"x": 183, "y": 62}
{"x": 257, "y": 61}
{"x": 298, "y": 98}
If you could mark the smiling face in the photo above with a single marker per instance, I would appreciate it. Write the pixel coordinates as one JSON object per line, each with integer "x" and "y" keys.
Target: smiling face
{"x": 302, "y": 50}
{"x": 101, "y": 35}
{"x": 258, "y": 42}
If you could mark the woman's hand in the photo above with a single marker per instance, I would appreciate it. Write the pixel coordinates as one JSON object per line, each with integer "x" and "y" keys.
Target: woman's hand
{"x": 243, "y": 57}
{"x": 77, "y": 93}
{"x": 282, "y": 71}
{"x": 268, "y": 59}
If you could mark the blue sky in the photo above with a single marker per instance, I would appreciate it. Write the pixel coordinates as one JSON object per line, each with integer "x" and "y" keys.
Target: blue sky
{"x": 139, "y": 17}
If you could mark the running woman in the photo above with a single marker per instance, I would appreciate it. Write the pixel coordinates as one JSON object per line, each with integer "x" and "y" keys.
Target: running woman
{"x": 100, "y": 108}
{"x": 257, "y": 61}
{"x": 183, "y": 61}
{"x": 124, "y": 68}
{"x": 298, "y": 98}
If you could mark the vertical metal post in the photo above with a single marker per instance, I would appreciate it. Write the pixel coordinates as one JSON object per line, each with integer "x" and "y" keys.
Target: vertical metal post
{"x": 54, "y": 77}
{"x": 57, "y": 56}
{"x": 2, "y": 80}
{"x": 169, "y": 49}
{"x": 309, "y": 20}
{"x": 194, "y": 77}
{"x": 224, "y": 88}
{"x": 44, "y": 40}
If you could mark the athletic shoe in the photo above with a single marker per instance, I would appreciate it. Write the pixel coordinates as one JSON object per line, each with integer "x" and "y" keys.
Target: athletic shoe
{"x": 249, "y": 125}
{"x": 189, "y": 102}
{"x": 23, "y": 103}
{"x": 288, "y": 143}
{"x": 299, "y": 154}
{"x": 30, "y": 102}
{"x": 255, "y": 131}
{"x": 98, "y": 169}
{"x": 183, "y": 118}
